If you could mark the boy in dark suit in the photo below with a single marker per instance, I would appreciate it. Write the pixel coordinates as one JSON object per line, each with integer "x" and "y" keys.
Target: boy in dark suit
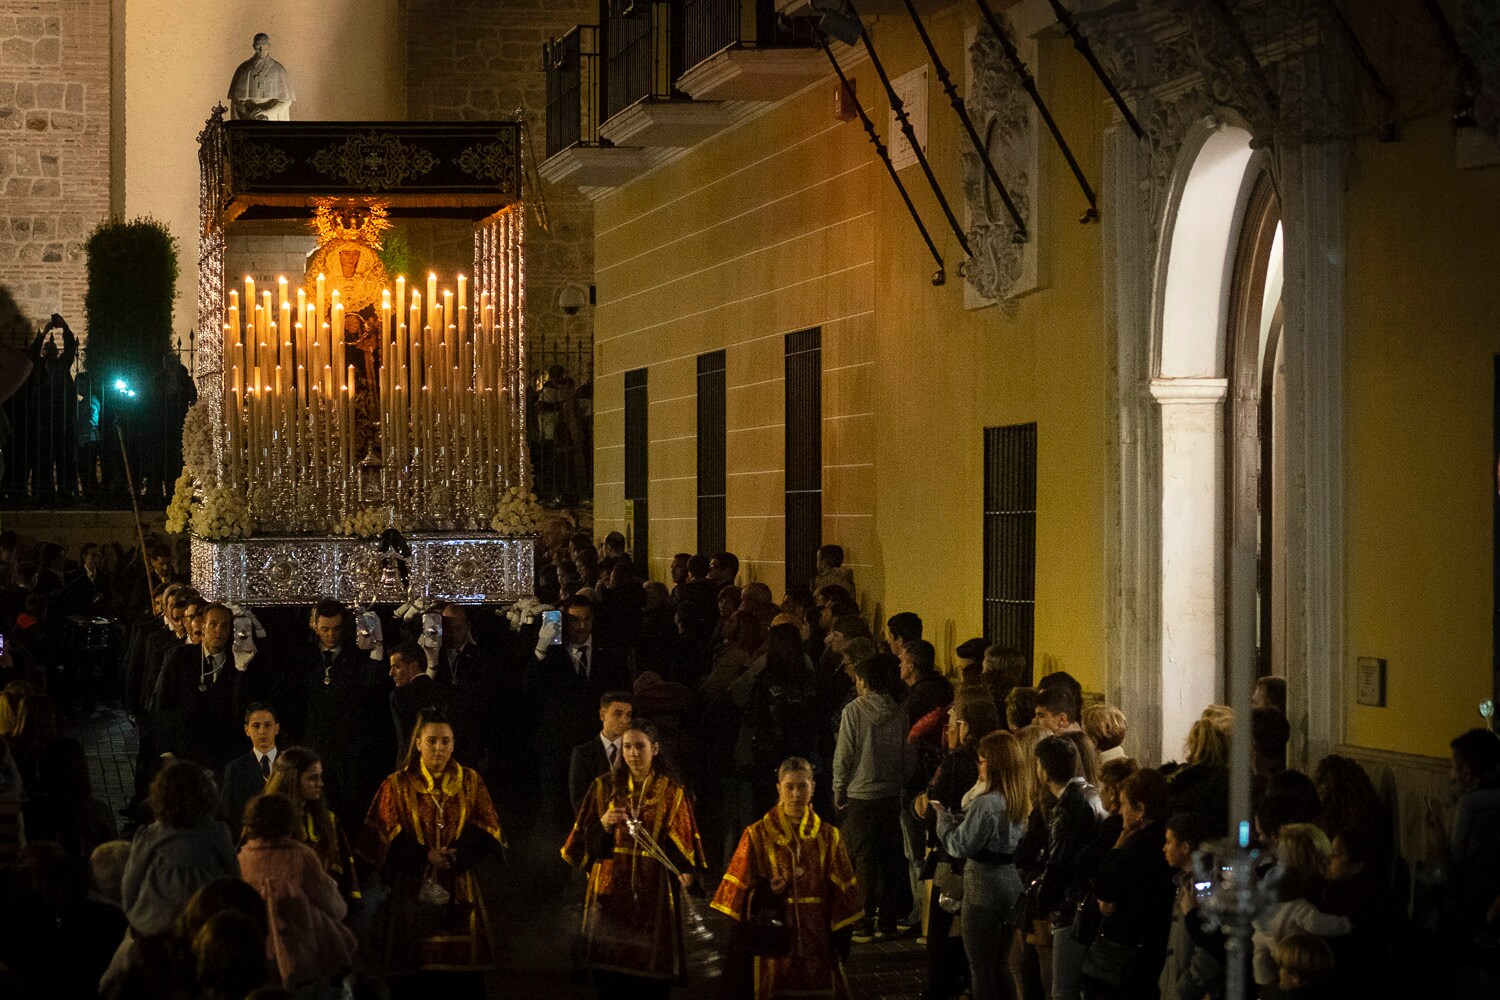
{"x": 600, "y": 754}
{"x": 245, "y": 777}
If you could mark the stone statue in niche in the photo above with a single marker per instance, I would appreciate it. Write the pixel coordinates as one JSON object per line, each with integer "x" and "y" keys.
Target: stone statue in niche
{"x": 261, "y": 89}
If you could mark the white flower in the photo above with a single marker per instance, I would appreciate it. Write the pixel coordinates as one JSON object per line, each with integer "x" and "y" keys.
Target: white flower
{"x": 198, "y": 441}
{"x": 222, "y": 515}
{"x": 517, "y": 513}
{"x": 181, "y": 507}
{"x": 366, "y": 523}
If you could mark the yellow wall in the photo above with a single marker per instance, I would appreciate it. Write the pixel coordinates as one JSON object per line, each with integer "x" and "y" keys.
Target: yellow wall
{"x": 1422, "y": 301}
{"x": 789, "y": 221}
{"x": 178, "y": 62}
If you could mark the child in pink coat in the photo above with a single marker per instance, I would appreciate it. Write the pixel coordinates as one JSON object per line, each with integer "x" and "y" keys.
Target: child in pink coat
{"x": 308, "y": 942}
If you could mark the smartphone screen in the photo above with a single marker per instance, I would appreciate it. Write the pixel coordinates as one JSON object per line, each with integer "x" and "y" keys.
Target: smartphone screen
{"x": 554, "y": 618}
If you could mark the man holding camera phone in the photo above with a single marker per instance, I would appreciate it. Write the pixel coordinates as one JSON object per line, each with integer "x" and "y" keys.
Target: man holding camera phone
{"x": 569, "y": 672}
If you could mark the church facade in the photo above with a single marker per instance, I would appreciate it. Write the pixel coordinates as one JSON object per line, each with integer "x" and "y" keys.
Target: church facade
{"x": 1248, "y": 411}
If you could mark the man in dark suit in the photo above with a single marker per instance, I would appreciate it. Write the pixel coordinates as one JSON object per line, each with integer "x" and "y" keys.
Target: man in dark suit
{"x": 564, "y": 682}
{"x": 245, "y": 777}
{"x": 600, "y": 754}
{"x": 346, "y": 695}
{"x": 415, "y": 690}
{"x": 200, "y": 693}
{"x": 470, "y": 677}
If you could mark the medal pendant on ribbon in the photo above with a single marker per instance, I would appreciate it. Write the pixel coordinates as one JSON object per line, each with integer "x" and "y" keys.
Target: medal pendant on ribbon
{"x": 202, "y": 686}
{"x": 327, "y": 679}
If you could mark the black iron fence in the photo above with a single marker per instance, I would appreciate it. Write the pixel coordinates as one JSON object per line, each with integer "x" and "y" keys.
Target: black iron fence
{"x": 711, "y": 26}
{"x": 73, "y": 438}
{"x": 60, "y": 446}
{"x": 573, "y": 88}
{"x": 643, "y": 53}
{"x": 560, "y": 428}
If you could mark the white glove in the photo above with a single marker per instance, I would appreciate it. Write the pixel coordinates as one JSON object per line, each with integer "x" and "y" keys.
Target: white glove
{"x": 369, "y": 635}
{"x": 246, "y": 628}
{"x": 545, "y": 635}
{"x": 431, "y": 639}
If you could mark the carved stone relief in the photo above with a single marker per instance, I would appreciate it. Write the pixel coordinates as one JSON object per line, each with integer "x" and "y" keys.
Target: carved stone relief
{"x": 1002, "y": 267}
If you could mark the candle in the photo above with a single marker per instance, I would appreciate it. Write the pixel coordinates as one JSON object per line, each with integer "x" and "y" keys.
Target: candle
{"x": 352, "y": 449}
{"x": 431, "y": 297}
{"x": 319, "y": 288}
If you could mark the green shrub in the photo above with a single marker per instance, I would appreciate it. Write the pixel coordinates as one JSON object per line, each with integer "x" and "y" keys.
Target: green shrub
{"x": 132, "y": 270}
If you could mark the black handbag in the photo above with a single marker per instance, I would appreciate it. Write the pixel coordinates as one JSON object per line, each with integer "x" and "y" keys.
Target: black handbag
{"x": 1109, "y": 961}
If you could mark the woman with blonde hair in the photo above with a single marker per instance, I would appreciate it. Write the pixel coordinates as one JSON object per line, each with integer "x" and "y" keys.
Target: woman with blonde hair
{"x": 985, "y": 834}
{"x": 298, "y": 775}
{"x": 1201, "y": 785}
{"x": 10, "y": 706}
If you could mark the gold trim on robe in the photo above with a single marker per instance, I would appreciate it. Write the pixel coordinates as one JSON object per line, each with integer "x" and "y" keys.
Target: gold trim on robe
{"x": 821, "y": 897}
{"x": 632, "y": 915}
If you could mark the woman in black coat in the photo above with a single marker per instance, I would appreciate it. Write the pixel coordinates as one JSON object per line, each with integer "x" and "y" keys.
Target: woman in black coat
{"x": 1135, "y": 889}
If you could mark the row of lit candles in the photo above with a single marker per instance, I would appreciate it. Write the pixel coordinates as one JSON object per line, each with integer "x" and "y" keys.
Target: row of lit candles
{"x": 442, "y": 397}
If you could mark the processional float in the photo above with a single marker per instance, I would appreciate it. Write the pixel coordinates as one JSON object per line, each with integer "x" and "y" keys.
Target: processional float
{"x": 360, "y": 436}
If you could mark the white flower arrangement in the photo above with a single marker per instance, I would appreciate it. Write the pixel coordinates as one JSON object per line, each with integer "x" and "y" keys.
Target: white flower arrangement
{"x": 223, "y": 515}
{"x": 180, "y": 510}
{"x": 524, "y": 612}
{"x": 518, "y": 512}
{"x": 366, "y": 523}
{"x": 198, "y": 441}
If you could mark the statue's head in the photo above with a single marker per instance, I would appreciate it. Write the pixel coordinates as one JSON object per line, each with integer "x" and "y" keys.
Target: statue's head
{"x": 262, "y": 44}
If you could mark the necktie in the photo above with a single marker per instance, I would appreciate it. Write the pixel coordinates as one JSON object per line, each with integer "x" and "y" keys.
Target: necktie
{"x": 583, "y": 661}
{"x": 327, "y": 659}
{"x": 265, "y": 767}
{"x": 612, "y": 752}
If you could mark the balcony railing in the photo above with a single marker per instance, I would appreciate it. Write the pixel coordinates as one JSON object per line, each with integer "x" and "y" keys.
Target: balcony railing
{"x": 643, "y": 53}
{"x": 711, "y": 26}
{"x": 573, "y": 88}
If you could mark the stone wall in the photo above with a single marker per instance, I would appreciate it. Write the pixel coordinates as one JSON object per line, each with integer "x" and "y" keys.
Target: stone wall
{"x": 54, "y": 148}
{"x": 477, "y": 59}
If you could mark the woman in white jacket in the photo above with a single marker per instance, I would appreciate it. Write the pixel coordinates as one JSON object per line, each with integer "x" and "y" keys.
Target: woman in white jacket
{"x": 1303, "y": 850}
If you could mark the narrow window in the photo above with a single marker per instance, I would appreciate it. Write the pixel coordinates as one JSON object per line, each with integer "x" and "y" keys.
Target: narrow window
{"x": 635, "y": 467}
{"x": 1010, "y": 538}
{"x": 804, "y": 455}
{"x": 711, "y": 443}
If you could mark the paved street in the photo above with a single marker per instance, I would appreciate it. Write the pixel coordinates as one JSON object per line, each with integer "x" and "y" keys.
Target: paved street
{"x": 537, "y": 946}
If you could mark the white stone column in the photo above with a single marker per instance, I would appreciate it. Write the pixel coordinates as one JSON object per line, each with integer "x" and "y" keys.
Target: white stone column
{"x": 1192, "y": 546}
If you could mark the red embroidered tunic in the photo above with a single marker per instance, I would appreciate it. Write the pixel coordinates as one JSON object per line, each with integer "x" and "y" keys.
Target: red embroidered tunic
{"x": 411, "y": 815}
{"x": 821, "y": 897}
{"x": 632, "y": 915}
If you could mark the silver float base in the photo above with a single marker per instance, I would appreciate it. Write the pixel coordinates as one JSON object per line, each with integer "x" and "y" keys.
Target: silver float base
{"x": 275, "y": 569}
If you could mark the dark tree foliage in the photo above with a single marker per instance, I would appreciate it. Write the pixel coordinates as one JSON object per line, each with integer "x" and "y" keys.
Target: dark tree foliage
{"x": 132, "y": 281}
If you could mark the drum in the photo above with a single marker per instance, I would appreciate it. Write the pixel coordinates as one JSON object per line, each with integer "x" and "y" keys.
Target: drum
{"x": 86, "y": 632}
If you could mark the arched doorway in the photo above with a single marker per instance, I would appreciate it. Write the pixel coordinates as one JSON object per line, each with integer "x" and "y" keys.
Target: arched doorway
{"x": 1257, "y": 437}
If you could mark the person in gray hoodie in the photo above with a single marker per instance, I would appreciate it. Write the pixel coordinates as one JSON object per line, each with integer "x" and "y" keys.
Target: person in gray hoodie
{"x": 185, "y": 847}
{"x": 870, "y": 766}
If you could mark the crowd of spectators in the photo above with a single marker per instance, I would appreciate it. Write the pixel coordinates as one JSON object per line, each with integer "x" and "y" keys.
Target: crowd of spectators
{"x": 1002, "y": 822}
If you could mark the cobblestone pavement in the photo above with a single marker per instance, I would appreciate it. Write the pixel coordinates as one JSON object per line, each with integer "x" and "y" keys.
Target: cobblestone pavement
{"x": 538, "y": 957}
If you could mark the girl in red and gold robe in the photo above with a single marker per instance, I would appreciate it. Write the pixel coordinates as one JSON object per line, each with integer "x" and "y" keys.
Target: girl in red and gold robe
{"x": 632, "y": 916}
{"x": 802, "y": 861}
{"x": 430, "y": 824}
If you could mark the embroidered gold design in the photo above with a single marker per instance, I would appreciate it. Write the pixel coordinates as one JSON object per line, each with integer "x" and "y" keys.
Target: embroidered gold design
{"x": 373, "y": 161}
